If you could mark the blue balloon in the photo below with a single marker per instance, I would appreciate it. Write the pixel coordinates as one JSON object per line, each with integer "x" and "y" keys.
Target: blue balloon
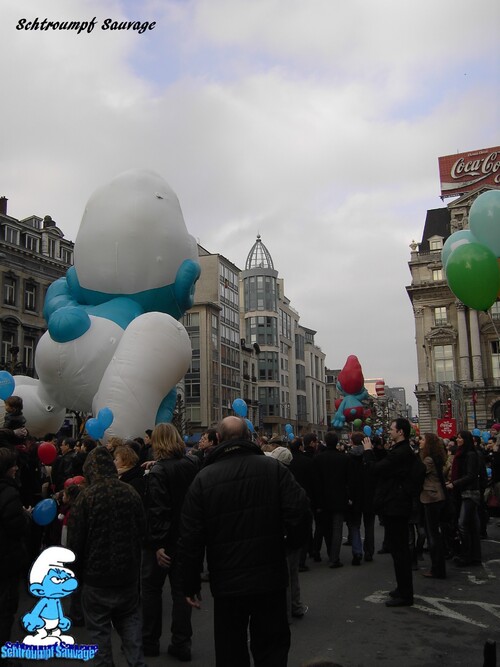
{"x": 367, "y": 431}
{"x": 288, "y": 428}
{"x": 240, "y": 407}
{"x": 486, "y": 436}
{"x": 476, "y": 432}
{"x": 291, "y": 436}
{"x": 250, "y": 426}
{"x": 105, "y": 417}
{"x": 44, "y": 512}
{"x": 7, "y": 384}
{"x": 94, "y": 428}
{"x": 185, "y": 438}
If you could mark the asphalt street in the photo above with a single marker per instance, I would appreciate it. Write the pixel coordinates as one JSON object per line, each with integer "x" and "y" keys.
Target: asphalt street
{"x": 347, "y": 621}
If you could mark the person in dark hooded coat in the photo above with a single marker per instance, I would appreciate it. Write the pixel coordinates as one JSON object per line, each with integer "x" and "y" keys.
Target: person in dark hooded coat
{"x": 105, "y": 531}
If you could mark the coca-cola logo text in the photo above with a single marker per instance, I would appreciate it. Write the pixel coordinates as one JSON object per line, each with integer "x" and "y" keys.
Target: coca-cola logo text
{"x": 481, "y": 167}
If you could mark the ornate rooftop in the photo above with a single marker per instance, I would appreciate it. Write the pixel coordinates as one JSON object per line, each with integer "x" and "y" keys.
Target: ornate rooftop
{"x": 259, "y": 256}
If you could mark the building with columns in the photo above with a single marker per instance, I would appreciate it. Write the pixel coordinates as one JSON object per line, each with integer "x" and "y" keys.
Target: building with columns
{"x": 458, "y": 348}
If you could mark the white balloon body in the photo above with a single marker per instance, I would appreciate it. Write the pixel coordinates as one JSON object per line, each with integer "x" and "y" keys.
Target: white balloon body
{"x": 132, "y": 242}
{"x": 41, "y": 413}
{"x": 132, "y": 236}
{"x": 72, "y": 372}
{"x": 152, "y": 356}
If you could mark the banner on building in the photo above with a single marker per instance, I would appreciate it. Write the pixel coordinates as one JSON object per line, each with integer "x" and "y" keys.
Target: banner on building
{"x": 464, "y": 172}
{"x": 447, "y": 427}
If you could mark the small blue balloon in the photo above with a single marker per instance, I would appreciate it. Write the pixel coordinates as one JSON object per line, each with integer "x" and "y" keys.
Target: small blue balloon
{"x": 240, "y": 407}
{"x": 185, "y": 438}
{"x": 105, "y": 417}
{"x": 291, "y": 436}
{"x": 476, "y": 432}
{"x": 44, "y": 512}
{"x": 288, "y": 428}
{"x": 367, "y": 431}
{"x": 250, "y": 426}
{"x": 486, "y": 436}
{"x": 94, "y": 428}
{"x": 7, "y": 384}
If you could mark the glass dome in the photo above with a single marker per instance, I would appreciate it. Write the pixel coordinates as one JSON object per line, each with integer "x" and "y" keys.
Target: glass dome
{"x": 259, "y": 256}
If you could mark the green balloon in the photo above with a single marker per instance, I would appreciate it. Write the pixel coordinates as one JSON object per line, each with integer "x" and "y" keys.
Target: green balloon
{"x": 357, "y": 423}
{"x": 473, "y": 275}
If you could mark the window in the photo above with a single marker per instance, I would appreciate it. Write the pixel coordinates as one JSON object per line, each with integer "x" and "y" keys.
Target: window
{"x": 30, "y": 297}
{"x": 9, "y": 290}
{"x": 436, "y": 244}
{"x": 262, "y": 330}
{"x": 495, "y": 311}
{"x": 66, "y": 255}
{"x": 52, "y": 247}
{"x": 192, "y": 390}
{"x": 32, "y": 243}
{"x": 29, "y": 353}
{"x": 300, "y": 372}
{"x": 7, "y": 343}
{"x": 440, "y": 316}
{"x": 299, "y": 347}
{"x": 437, "y": 274}
{"x": 268, "y": 366}
{"x": 11, "y": 235}
{"x": 443, "y": 363}
{"x": 192, "y": 320}
{"x": 195, "y": 342}
{"x": 495, "y": 359}
{"x": 260, "y": 293}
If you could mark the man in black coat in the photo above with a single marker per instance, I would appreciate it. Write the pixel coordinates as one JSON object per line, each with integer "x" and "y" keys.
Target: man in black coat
{"x": 393, "y": 501}
{"x": 245, "y": 508}
{"x": 332, "y": 480}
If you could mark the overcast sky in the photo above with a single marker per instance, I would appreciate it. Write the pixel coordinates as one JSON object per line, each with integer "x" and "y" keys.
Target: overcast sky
{"x": 316, "y": 123}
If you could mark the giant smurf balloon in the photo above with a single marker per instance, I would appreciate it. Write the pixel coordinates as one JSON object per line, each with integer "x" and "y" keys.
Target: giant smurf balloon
{"x": 113, "y": 339}
{"x": 351, "y": 383}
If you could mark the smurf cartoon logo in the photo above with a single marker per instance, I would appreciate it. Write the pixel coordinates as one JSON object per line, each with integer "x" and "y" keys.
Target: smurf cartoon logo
{"x": 46, "y": 623}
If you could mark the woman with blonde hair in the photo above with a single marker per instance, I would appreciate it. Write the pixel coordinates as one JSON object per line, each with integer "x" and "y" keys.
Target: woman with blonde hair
{"x": 167, "y": 484}
{"x": 167, "y": 442}
{"x": 432, "y": 497}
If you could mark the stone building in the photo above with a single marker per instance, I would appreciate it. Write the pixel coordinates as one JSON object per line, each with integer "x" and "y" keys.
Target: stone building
{"x": 458, "y": 348}
{"x": 33, "y": 253}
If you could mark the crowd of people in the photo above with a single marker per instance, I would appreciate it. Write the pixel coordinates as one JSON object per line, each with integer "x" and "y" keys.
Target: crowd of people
{"x": 247, "y": 513}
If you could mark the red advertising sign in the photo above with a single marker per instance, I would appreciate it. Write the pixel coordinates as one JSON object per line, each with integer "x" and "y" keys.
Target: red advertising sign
{"x": 464, "y": 172}
{"x": 446, "y": 427}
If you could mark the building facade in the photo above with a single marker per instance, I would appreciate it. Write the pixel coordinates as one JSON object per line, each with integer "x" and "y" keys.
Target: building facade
{"x": 290, "y": 367}
{"x": 33, "y": 253}
{"x": 214, "y": 378}
{"x": 458, "y": 348}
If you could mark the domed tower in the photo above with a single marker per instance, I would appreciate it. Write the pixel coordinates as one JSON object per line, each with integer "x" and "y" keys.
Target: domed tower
{"x": 260, "y": 300}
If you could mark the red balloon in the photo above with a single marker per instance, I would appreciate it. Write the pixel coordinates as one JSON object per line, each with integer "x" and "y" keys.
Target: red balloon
{"x": 79, "y": 479}
{"x": 68, "y": 482}
{"x": 47, "y": 453}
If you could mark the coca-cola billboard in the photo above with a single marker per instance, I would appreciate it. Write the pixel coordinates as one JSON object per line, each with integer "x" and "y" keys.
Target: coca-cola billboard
{"x": 464, "y": 172}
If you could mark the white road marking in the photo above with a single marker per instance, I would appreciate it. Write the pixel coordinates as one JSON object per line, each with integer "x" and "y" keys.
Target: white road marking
{"x": 438, "y": 607}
